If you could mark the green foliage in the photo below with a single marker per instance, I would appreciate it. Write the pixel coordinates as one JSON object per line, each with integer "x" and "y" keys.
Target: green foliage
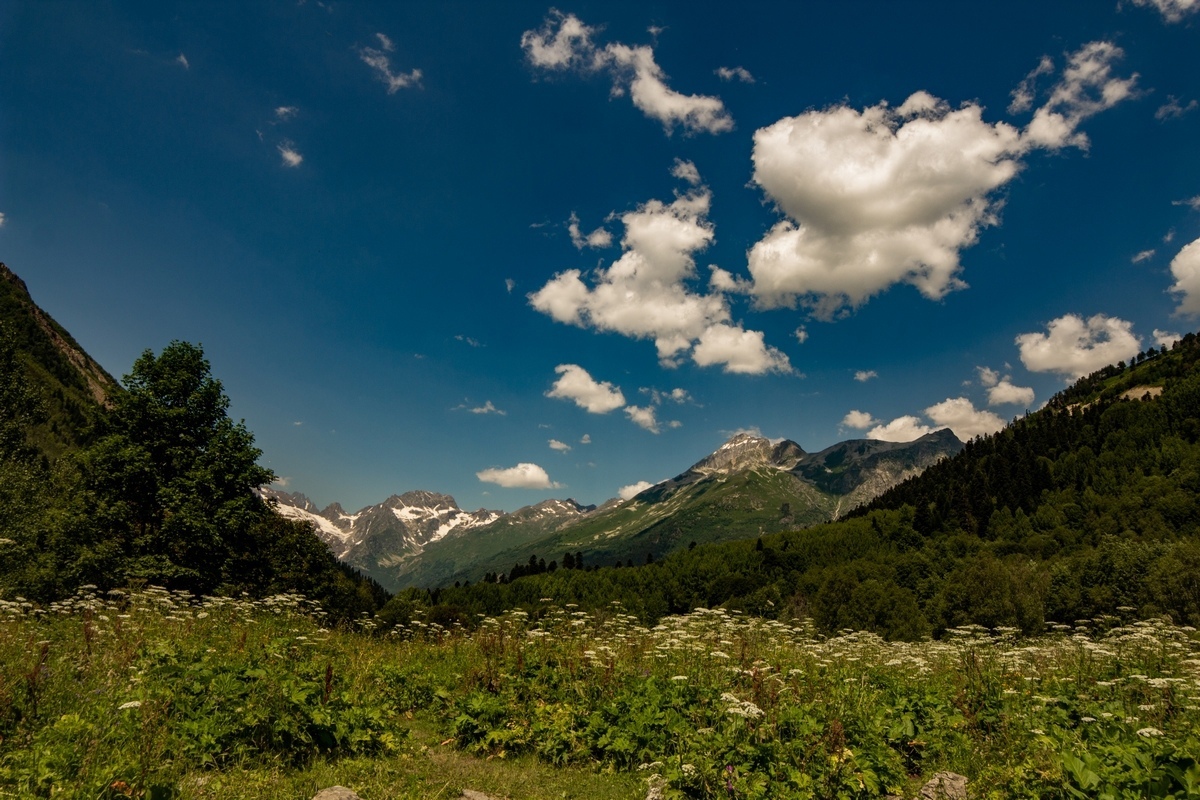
{"x": 157, "y": 695}
{"x": 173, "y": 478}
{"x": 121, "y": 697}
{"x": 164, "y": 495}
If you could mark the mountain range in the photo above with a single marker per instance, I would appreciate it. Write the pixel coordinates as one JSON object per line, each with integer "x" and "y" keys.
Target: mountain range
{"x": 748, "y": 487}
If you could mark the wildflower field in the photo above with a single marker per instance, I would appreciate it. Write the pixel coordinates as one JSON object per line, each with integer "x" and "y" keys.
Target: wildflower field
{"x": 158, "y": 694}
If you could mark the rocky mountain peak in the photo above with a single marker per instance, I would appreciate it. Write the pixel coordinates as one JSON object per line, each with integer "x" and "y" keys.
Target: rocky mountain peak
{"x": 422, "y": 499}
{"x": 747, "y": 451}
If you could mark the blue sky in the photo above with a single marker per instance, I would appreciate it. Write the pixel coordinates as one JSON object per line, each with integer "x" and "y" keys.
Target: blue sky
{"x": 510, "y": 251}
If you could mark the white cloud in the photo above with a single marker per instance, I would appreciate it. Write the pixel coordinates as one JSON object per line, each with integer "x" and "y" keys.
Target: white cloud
{"x": 570, "y": 46}
{"x": 182, "y": 61}
{"x": 1144, "y": 255}
{"x": 686, "y": 171}
{"x": 887, "y": 195}
{"x": 1185, "y": 266}
{"x": 522, "y": 476}
{"x": 565, "y": 42}
{"x": 1165, "y": 338}
{"x": 291, "y": 157}
{"x": 561, "y": 447}
{"x": 488, "y": 408}
{"x": 633, "y": 490}
{"x": 1086, "y": 88}
{"x": 643, "y": 417}
{"x": 735, "y": 74}
{"x": 286, "y": 112}
{"x": 509, "y": 285}
{"x": 575, "y": 384}
{"x": 379, "y": 60}
{"x": 1073, "y": 347}
{"x": 960, "y": 415}
{"x": 1173, "y": 109}
{"x": 644, "y": 294}
{"x": 873, "y": 199}
{"x": 585, "y": 439}
{"x": 858, "y": 420}
{"x": 1025, "y": 93}
{"x": 741, "y": 351}
{"x": 1001, "y": 390}
{"x": 901, "y": 429}
{"x": 988, "y": 376}
{"x": 678, "y": 395}
{"x": 1006, "y": 393}
{"x": 3, "y": 219}
{"x": 598, "y": 238}
{"x": 864, "y": 375}
{"x": 801, "y": 334}
{"x": 1192, "y": 203}
{"x": 1172, "y": 10}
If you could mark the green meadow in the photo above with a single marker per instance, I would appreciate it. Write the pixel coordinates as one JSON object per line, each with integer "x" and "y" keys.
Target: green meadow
{"x": 158, "y": 694}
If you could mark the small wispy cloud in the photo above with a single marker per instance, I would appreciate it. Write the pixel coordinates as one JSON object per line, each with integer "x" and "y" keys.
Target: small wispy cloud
{"x": 510, "y": 284}
{"x": 488, "y": 408}
{"x": 864, "y": 375}
{"x": 182, "y": 61}
{"x": 467, "y": 340}
{"x": 377, "y": 58}
{"x": 597, "y": 239}
{"x": 1192, "y": 203}
{"x": 735, "y": 74}
{"x": 3, "y": 219}
{"x": 561, "y": 447}
{"x": 283, "y": 113}
{"x": 1144, "y": 255}
{"x": 291, "y": 157}
{"x": 1173, "y": 109}
{"x": 801, "y": 334}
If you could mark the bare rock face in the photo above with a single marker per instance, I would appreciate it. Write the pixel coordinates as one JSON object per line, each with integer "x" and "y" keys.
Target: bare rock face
{"x": 336, "y": 793}
{"x": 944, "y": 786}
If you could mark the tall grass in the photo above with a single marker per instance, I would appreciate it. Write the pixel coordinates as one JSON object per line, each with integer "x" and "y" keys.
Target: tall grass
{"x": 157, "y": 694}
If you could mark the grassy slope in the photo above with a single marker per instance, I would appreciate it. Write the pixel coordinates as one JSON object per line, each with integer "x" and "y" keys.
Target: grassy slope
{"x": 739, "y": 506}
{"x": 70, "y": 384}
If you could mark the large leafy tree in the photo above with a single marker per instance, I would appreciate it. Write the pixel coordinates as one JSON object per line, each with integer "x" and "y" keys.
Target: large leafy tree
{"x": 170, "y": 485}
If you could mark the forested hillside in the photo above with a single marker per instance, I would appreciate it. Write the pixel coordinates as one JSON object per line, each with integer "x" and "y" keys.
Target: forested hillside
{"x": 1084, "y": 508}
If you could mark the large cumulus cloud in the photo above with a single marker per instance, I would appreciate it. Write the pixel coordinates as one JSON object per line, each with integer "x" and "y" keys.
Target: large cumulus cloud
{"x": 880, "y": 196}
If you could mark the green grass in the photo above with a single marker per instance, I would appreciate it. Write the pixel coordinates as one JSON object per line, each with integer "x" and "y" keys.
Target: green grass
{"x": 158, "y": 695}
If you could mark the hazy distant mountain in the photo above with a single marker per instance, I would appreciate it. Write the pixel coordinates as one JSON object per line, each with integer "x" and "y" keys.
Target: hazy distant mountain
{"x": 747, "y": 487}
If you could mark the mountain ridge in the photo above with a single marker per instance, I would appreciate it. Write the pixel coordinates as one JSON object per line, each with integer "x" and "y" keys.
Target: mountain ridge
{"x": 748, "y": 486}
